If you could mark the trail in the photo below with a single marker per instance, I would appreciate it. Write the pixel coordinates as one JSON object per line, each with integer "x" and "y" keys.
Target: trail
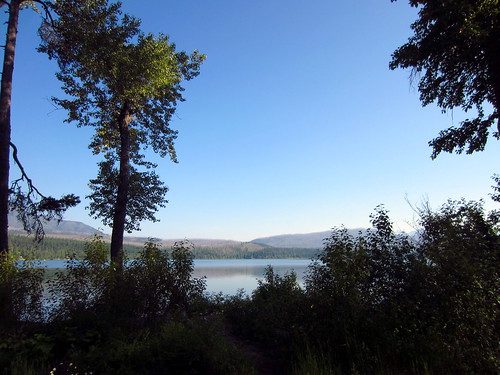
{"x": 264, "y": 360}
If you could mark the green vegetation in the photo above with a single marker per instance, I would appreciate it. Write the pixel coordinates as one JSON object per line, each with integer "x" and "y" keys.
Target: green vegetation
{"x": 378, "y": 303}
{"x": 126, "y": 84}
{"x": 150, "y": 319}
{"x": 246, "y": 252}
{"x": 54, "y": 247}
{"x": 384, "y": 303}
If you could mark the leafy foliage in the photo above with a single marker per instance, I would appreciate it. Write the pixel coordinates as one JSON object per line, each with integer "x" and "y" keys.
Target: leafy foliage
{"x": 21, "y": 286}
{"x": 462, "y": 249}
{"x": 429, "y": 301}
{"x": 354, "y": 286}
{"x": 126, "y": 84}
{"x": 101, "y": 69}
{"x": 386, "y": 303}
{"x": 160, "y": 283}
{"x": 151, "y": 286}
{"x": 272, "y": 316}
{"x": 455, "y": 47}
{"x": 379, "y": 302}
{"x": 141, "y": 321}
{"x": 146, "y": 193}
{"x": 84, "y": 286}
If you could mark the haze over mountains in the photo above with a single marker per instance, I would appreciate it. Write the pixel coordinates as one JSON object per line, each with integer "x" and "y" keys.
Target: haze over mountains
{"x": 304, "y": 240}
{"x": 66, "y": 228}
{"x": 79, "y": 230}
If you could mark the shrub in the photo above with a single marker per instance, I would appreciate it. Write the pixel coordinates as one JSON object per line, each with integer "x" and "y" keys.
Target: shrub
{"x": 383, "y": 300}
{"x": 21, "y": 292}
{"x": 461, "y": 247}
{"x": 81, "y": 291}
{"x": 159, "y": 284}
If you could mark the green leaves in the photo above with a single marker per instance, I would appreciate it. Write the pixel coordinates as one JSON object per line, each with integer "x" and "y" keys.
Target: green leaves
{"x": 126, "y": 84}
{"x": 102, "y": 67}
{"x": 455, "y": 49}
{"x": 430, "y": 300}
{"x": 146, "y": 193}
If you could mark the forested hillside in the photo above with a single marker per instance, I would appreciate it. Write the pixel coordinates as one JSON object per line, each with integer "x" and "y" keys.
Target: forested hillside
{"x": 62, "y": 248}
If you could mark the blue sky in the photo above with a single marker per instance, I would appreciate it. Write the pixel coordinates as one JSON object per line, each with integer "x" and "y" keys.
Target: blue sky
{"x": 295, "y": 124}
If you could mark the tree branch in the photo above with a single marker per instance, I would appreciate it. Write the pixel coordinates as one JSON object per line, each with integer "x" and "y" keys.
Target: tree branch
{"x": 23, "y": 172}
{"x": 45, "y": 7}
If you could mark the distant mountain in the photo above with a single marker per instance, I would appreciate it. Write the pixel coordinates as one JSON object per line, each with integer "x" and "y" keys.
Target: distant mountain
{"x": 198, "y": 242}
{"x": 79, "y": 230}
{"x": 305, "y": 241}
{"x": 66, "y": 228}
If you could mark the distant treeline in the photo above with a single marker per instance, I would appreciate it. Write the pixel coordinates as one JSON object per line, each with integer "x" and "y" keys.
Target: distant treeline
{"x": 61, "y": 248}
{"x": 242, "y": 252}
{"x": 54, "y": 247}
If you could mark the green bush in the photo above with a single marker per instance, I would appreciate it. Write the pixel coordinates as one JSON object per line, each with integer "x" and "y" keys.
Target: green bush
{"x": 159, "y": 283}
{"x": 461, "y": 247}
{"x": 21, "y": 292}
{"x": 150, "y": 287}
{"x": 379, "y": 302}
{"x": 383, "y": 301}
{"x": 78, "y": 292}
{"x": 271, "y": 318}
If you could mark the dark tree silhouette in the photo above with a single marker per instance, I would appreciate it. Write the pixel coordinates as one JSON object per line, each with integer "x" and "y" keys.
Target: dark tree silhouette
{"x": 455, "y": 52}
{"x": 31, "y": 206}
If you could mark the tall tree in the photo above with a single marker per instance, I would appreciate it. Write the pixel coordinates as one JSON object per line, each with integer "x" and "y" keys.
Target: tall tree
{"x": 455, "y": 52}
{"x": 126, "y": 84}
{"x": 32, "y": 207}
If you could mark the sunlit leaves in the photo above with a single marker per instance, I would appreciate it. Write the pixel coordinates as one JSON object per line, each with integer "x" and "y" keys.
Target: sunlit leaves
{"x": 103, "y": 66}
{"x": 109, "y": 69}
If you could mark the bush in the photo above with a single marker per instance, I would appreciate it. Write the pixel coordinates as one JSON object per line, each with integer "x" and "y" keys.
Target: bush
{"x": 148, "y": 288}
{"x": 79, "y": 292}
{"x": 383, "y": 301}
{"x": 21, "y": 292}
{"x": 159, "y": 284}
{"x": 461, "y": 247}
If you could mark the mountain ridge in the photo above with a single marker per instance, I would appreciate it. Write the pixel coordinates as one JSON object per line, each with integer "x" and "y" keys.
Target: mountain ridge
{"x": 63, "y": 228}
{"x": 79, "y": 230}
{"x": 314, "y": 240}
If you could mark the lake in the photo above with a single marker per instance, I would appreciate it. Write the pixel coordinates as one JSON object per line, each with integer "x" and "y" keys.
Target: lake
{"x": 230, "y": 275}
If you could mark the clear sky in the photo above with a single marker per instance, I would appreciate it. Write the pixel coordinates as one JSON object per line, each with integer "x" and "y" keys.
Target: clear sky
{"x": 295, "y": 124}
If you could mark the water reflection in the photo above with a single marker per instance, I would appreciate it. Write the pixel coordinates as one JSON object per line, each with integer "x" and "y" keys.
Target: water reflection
{"x": 228, "y": 275}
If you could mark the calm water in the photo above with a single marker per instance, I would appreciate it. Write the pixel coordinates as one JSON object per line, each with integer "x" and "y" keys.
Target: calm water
{"x": 229, "y": 275}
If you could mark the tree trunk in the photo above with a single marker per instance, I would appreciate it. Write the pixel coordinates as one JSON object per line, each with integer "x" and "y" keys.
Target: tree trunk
{"x": 492, "y": 48}
{"x": 495, "y": 80}
{"x": 120, "y": 209}
{"x": 496, "y": 87}
{"x": 5, "y": 103}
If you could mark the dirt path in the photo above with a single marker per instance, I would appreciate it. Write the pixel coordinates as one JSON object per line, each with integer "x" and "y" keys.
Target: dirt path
{"x": 263, "y": 359}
